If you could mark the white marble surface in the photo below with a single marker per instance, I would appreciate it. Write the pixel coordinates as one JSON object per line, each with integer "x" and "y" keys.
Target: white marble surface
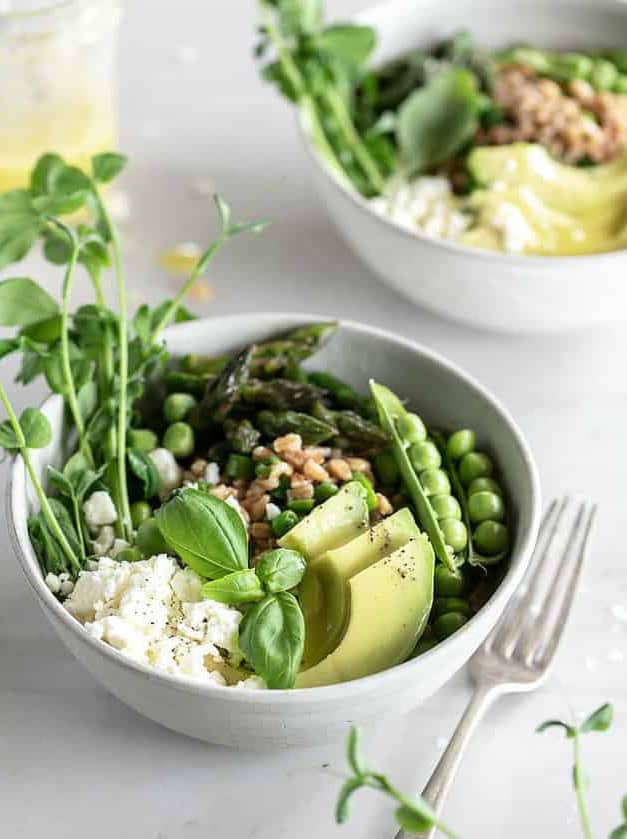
{"x": 73, "y": 760}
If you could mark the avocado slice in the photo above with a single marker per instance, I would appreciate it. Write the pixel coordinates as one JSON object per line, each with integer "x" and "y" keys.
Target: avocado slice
{"x": 567, "y": 209}
{"x": 340, "y": 519}
{"x": 390, "y": 603}
{"x": 324, "y": 591}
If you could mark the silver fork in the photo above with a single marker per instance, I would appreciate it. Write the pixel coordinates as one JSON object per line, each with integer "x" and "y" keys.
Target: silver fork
{"x": 518, "y": 653}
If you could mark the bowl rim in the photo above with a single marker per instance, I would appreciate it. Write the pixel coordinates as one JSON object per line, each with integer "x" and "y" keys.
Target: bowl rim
{"x": 327, "y": 693}
{"x": 371, "y": 16}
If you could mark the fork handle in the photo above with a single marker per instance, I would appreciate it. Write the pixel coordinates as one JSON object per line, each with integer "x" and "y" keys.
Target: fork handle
{"x": 440, "y": 781}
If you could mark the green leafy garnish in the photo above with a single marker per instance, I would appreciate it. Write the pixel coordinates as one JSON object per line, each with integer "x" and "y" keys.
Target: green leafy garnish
{"x": 272, "y": 637}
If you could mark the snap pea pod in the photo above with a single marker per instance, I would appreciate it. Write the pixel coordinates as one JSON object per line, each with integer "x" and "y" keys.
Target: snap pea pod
{"x": 391, "y": 412}
{"x": 471, "y": 477}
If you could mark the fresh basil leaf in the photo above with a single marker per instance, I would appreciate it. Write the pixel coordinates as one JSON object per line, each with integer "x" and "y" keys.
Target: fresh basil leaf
{"x": 45, "y": 173}
{"x": 272, "y": 637}
{"x": 145, "y": 470}
{"x": 105, "y": 167}
{"x": 280, "y": 570}
{"x": 411, "y": 820}
{"x": 349, "y": 786}
{"x": 238, "y": 587}
{"x": 206, "y": 533}
{"x": 348, "y": 42}
{"x": 353, "y": 752}
{"x": 437, "y": 120}
{"x": 23, "y": 302}
{"x": 568, "y": 729}
{"x": 599, "y": 720}
{"x": 36, "y": 428}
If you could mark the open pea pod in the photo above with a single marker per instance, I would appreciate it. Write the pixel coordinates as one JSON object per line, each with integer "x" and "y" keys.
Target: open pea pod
{"x": 469, "y": 554}
{"x": 390, "y": 410}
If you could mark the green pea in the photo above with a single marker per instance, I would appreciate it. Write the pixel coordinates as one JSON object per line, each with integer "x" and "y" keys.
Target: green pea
{"x": 149, "y": 539}
{"x": 491, "y": 538}
{"x": 460, "y": 443}
{"x": 262, "y": 470}
{"x": 177, "y": 406}
{"x": 435, "y": 482}
{"x": 424, "y": 645}
{"x": 238, "y": 467}
{"x": 370, "y": 494}
{"x": 577, "y": 65}
{"x": 620, "y": 85}
{"x": 411, "y": 428}
{"x": 140, "y": 511}
{"x": 447, "y": 624}
{"x": 445, "y": 507}
{"x": 179, "y": 439}
{"x": 455, "y": 534}
{"x": 280, "y": 493}
{"x": 604, "y": 74}
{"x": 484, "y": 485}
{"x": 444, "y": 605}
{"x": 485, "y": 506}
{"x": 386, "y": 468}
{"x": 142, "y": 438}
{"x": 129, "y": 555}
{"x": 475, "y": 465}
{"x": 449, "y": 583}
{"x": 283, "y": 522}
{"x": 325, "y": 490}
{"x": 425, "y": 455}
{"x": 301, "y": 506}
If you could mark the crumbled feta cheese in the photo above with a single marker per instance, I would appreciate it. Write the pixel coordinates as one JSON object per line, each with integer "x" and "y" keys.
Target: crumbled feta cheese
{"x": 152, "y": 612}
{"x": 103, "y": 541}
{"x": 170, "y": 473}
{"x": 425, "y": 204}
{"x": 252, "y": 683}
{"x": 272, "y": 511}
{"x": 510, "y": 222}
{"x": 212, "y": 473}
{"x": 53, "y": 583}
{"x": 67, "y": 587}
{"x": 99, "y": 510}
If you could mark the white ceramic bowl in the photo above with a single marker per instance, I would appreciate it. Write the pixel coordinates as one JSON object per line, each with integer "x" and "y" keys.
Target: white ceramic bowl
{"x": 269, "y": 719}
{"x": 495, "y": 291}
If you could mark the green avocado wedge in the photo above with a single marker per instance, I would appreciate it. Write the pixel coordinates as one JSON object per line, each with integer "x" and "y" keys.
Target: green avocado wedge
{"x": 324, "y": 590}
{"x": 390, "y": 603}
{"x": 339, "y": 520}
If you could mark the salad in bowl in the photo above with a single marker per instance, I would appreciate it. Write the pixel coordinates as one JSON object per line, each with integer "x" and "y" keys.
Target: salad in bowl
{"x": 253, "y": 507}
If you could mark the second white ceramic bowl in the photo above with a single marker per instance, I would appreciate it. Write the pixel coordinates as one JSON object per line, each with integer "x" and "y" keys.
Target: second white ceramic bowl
{"x": 494, "y": 291}
{"x": 249, "y": 719}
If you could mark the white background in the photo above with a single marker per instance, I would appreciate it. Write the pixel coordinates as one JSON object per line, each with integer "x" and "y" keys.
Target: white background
{"x": 73, "y": 760}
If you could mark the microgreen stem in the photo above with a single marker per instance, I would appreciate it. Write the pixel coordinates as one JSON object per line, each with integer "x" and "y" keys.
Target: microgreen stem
{"x": 46, "y": 509}
{"x": 187, "y": 286}
{"x": 579, "y": 783}
{"x": 381, "y": 783}
{"x": 122, "y": 416}
{"x": 352, "y": 138}
{"x": 70, "y": 394}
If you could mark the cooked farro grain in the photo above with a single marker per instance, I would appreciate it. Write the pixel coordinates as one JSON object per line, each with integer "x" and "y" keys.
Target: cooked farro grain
{"x": 339, "y": 468}
{"x": 383, "y": 505}
{"x": 314, "y": 471}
